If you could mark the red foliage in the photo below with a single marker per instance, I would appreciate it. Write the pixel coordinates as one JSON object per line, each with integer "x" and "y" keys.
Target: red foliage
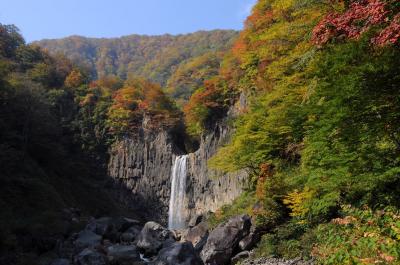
{"x": 391, "y": 34}
{"x": 240, "y": 46}
{"x": 360, "y": 16}
{"x": 259, "y": 18}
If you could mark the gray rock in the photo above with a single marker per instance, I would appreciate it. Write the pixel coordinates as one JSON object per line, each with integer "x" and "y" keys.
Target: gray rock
{"x": 197, "y": 236}
{"x": 224, "y": 239}
{"x": 127, "y": 238}
{"x": 87, "y": 239}
{"x": 99, "y": 226}
{"x": 61, "y": 262}
{"x": 153, "y": 237}
{"x": 178, "y": 254}
{"x": 111, "y": 228}
{"x": 250, "y": 241}
{"x": 141, "y": 167}
{"x": 90, "y": 257}
{"x": 122, "y": 255}
{"x": 240, "y": 256}
{"x": 195, "y": 220}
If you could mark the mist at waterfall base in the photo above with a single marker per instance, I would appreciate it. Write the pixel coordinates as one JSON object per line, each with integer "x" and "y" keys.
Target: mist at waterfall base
{"x": 176, "y": 218}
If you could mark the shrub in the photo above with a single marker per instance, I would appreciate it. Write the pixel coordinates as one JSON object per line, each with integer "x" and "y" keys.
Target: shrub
{"x": 360, "y": 237}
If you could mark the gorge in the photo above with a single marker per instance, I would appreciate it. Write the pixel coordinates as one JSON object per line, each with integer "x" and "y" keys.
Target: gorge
{"x": 275, "y": 145}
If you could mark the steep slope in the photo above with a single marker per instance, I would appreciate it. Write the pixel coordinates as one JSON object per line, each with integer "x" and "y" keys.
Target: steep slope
{"x": 320, "y": 135}
{"x": 47, "y": 181}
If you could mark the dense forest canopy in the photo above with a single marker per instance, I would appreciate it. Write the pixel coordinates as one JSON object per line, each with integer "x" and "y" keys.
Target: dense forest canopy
{"x": 321, "y": 130}
{"x": 56, "y": 127}
{"x": 50, "y": 156}
{"x": 155, "y": 58}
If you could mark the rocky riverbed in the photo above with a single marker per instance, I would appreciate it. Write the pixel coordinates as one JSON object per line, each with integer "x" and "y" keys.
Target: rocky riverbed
{"x": 124, "y": 241}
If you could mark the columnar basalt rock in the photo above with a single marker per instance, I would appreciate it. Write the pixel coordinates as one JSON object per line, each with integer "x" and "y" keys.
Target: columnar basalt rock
{"x": 141, "y": 167}
{"x": 207, "y": 189}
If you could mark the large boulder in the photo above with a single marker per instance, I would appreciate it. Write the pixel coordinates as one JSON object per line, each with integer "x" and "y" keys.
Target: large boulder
{"x": 122, "y": 255}
{"x": 99, "y": 226}
{"x": 224, "y": 239}
{"x": 130, "y": 235}
{"x": 153, "y": 237}
{"x": 178, "y": 254}
{"x": 87, "y": 239}
{"x": 111, "y": 228}
{"x": 250, "y": 241}
{"x": 239, "y": 257}
{"x": 197, "y": 236}
{"x": 90, "y": 257}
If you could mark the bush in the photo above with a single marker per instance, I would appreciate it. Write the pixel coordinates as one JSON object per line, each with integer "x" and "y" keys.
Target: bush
{"x": 360, "y": 237}
{"x": 289, "y": 240}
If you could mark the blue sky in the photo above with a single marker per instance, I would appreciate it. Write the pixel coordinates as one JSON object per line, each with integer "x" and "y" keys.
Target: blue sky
{"x": 38, "y": 19}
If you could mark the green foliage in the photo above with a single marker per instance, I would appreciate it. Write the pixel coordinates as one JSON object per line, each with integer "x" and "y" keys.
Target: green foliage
{"x": 242, "y": 205}
{"x": 330, "y": 112}
{"x": 160, "y": 59}
{"x": 360, "y": 237}
{"x": 189, "y": 76}
{"x": 325, "y": 118}
{"x": 289, "y": 240}
{"x": 207, "y": 105}
{"x": 351, "y": 148}
{"x": 43, "y": 168}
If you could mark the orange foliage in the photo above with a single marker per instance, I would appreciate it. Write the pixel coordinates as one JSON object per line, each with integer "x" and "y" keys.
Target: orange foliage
{"x": 266, "y": 171}
{"x": 74, "y": 79}
{"x": 138, "y": 98}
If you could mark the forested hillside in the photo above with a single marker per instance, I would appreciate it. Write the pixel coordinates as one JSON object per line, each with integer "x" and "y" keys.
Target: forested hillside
{"x": 55, "y": 129}
{"x": 320, "y": 134}
{"x": 155, "y": 58}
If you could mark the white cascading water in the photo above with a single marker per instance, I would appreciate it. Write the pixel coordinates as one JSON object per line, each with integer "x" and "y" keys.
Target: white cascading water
{"x": 176, "y": 218}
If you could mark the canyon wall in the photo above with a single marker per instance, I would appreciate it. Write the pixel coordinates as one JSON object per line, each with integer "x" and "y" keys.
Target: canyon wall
{"x": 141, "y": 168}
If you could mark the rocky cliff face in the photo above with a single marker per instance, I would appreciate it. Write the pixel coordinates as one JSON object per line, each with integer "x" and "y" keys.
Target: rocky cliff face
{"x": 141, "y": 168}
{"x": 207, "y": 189}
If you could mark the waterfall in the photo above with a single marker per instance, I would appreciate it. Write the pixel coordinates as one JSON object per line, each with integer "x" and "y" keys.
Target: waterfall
{"x": 176, "y": 218}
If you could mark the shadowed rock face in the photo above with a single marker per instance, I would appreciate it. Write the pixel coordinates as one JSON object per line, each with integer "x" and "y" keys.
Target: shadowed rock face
{"x": 178, "y": 254}
{"x": 142, "y": 166}
{"x": 224, "y": 239}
